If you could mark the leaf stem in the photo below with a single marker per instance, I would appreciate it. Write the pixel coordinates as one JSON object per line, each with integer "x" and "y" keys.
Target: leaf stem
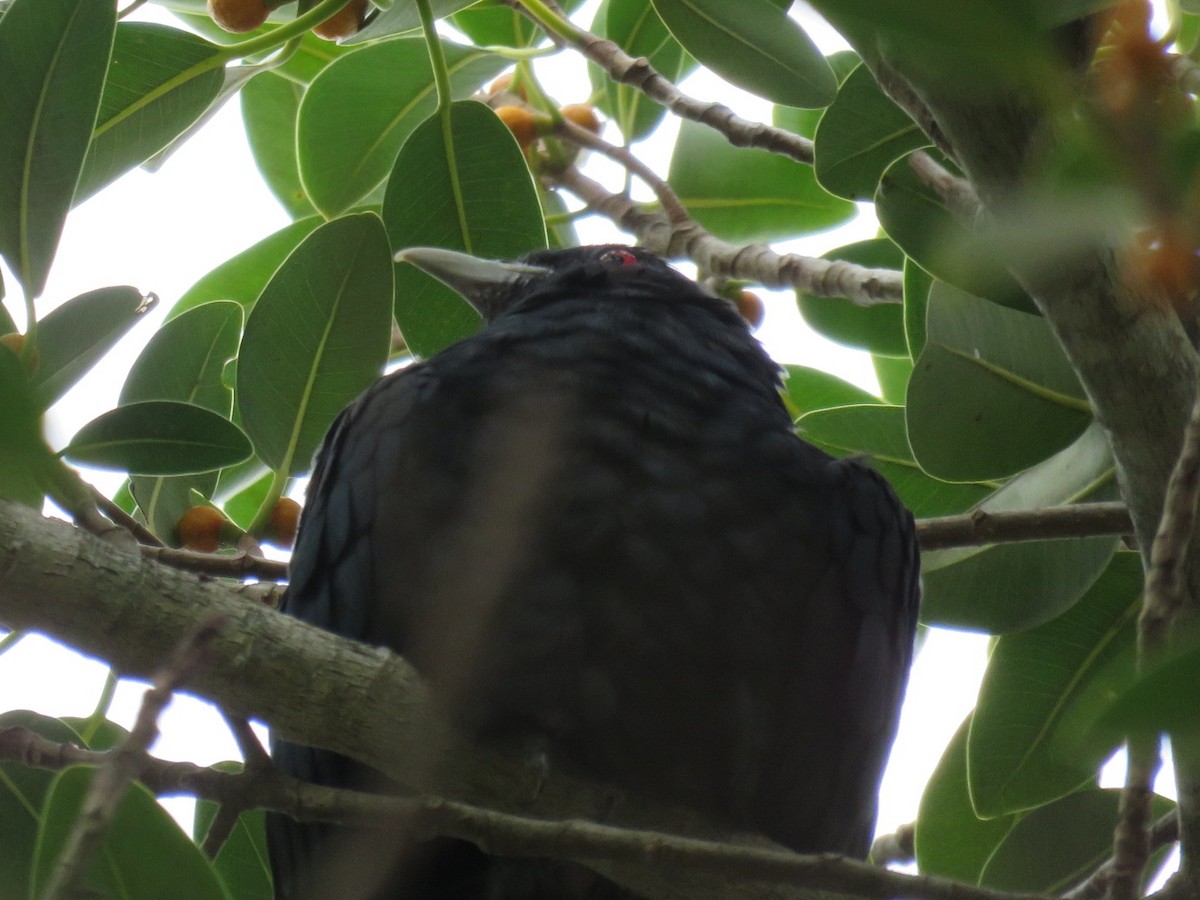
{"x": 441, "y": 78}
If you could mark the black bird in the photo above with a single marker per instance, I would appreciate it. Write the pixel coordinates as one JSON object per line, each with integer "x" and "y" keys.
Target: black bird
{"x": 593, "y": 530}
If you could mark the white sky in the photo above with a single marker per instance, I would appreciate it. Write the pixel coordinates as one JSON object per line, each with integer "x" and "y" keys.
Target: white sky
{"x": 162, "y": 231}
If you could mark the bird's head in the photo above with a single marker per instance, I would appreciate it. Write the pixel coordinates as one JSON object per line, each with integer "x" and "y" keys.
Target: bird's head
{"x": 494, "y": 286}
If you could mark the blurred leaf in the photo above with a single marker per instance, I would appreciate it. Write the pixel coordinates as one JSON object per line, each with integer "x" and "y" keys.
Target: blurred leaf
{"x": 1043, "y": 690}
{"x": 811, "y": 389}
{"x": 966, "y": 46}
{"x": 316, "y": 338}
{"x": 270, "y": 104}
{"x": 748, "y": 195}
{"x": 878, "y": 328}
{"x": 77, "y": 335}
{"x": 352, "y": 122}
{"x": 1055, "y": 847}
{"x": 159, "y": 83}
{"x": 242, "y": 861}
{"x": 754, "y": 45}
{"x": 22, "y": 793}
{"x": 159, "y": 437}
{"x": 877, "y": 431}
{"x": 861, "y": 134}
{"x": 144, "y": 854}
{"x": 635, "y": 27}
{"x": 951, "y": 840}
{"x": 457, "y": 208}
{"x": 53, "y": 56}
{"x": 916, "y": 218}
{"x": 24, "y": 456}
{"x": 184, "y": 361}
{"x": 242, "y": 278}
{"x": 998, "y": 588}
{"x": 992, "y": 392}
{"x": 1163, "y": 699}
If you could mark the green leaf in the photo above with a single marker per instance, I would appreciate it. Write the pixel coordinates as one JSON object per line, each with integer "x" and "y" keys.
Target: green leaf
{"x": 23, "y": 791}
{"x": 77, "y": 335}
{"x": 755, "y": 45}
{"x": 877, "y": 431}
{"x": 894, "y": 374}
{"x": 242, "y": 861}
{"x": 992, "y": 392}
{"x": 917, "y": 219}
{"x": 498, "y": 23}
{"x": 53, "y": 56}
{"x": 973, "y": 587}
{"x": 1043, "y": 690}
{"x": 24, "y": 456}
{"x": 160, "y": 81}
{"x": 402, "y": 17}
{"x": 243, "y": 505}
{"x": 859, "y": 136}
{"x": 917, "y": 284}
{"x": 316, "y": 338}
{"x": 143, "y": 854}
{"x": 270, "y": 104}
{"x": 810, "y": 389}
{"x": 1054, "y": 848}
{"x": 184, "y": 361}
{"x": 242, "y": 278}
{"x": 461, "y": 196}
{"x": 635, "y": 27}
{"x": 878, "y": 328}
{"x": 748, "y": 195}
{"x": 159, "y": 437}
{"x": 951, "y": 840}
{"x": 352, "y": 122}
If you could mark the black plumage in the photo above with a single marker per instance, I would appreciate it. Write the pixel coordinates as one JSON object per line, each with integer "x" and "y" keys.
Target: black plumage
{"x": 593, "y": 530}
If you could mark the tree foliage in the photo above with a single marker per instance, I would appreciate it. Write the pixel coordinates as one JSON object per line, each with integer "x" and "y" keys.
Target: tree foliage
{"x": 1030, "y": 304}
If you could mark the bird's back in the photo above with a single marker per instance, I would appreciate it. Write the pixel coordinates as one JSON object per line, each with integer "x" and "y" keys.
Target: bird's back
{"x": 593, "y": 531}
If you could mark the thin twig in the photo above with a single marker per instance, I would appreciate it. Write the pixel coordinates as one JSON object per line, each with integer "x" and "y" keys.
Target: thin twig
{"x": 957, "y": 193}
{"x": 1164, "y": 832}
{"x": 122, "y": 766}
{"x": 754, "y": 262}
{"x": 675, "y": 211}
{"x": 241, "y": 565}
{"x": 505, "y": 833}
{"x": 940, "y": 533}
{"x": 638, "y": 73}
{"x": 982, "y": 527}
{"x": 143, "y": 534}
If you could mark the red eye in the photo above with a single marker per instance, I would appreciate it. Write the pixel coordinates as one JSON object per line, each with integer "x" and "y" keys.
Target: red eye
{"x": 619, "y": 258}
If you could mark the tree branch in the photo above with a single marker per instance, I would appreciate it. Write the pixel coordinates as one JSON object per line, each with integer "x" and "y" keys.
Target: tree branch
{"x": 755, "y": 262}
{"x": 1059, "y": 522}
{"x": 638, "y": 73}
{"x": 123, "y": 765}
{"x": 759, "y": 871}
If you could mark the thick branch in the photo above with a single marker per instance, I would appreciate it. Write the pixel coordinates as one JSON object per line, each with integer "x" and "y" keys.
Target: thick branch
{"x": 360, "y": 701}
